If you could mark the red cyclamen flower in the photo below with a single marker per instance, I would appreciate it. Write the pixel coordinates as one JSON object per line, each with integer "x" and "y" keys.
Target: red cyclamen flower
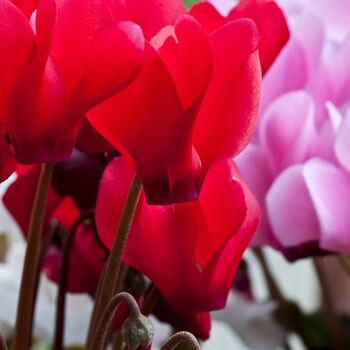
{"x": 194, "y": 102}
{"x": 71, "y": 55}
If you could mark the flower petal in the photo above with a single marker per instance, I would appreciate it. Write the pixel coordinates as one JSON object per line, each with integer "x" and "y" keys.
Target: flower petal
{"x": 272, "y": 27}
{"x": 208, "y": 16}
{"x": 229, "y": 109}
{"x": 288, "y": 130}
{"x": 329, "y": 189}
{"x": 17, "y": 44}
{"x": 291, "y": 211}
{"x": 188, "y": 59}
{"x": 115, "y": 59}
{"x": 342, "y": 143}
{"x": 153, "y": 15}
{"x": 144, "y": 131}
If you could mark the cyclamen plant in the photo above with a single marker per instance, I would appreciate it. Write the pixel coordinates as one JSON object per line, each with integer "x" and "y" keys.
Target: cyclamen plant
{"x": 155, "y": 101}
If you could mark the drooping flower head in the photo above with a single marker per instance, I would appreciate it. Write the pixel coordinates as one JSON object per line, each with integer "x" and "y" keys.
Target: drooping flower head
{"x": 70, "y": 56}
{"x": 196, "y": 99}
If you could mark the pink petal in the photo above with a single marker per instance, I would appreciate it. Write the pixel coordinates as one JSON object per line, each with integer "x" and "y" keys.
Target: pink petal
{"x": 329, "y": 188}
{"x": 342, "y": 143}
{"x": 255, "y": 166}
{"x": 287, "y": 129}
{"x": 290, "y": 209}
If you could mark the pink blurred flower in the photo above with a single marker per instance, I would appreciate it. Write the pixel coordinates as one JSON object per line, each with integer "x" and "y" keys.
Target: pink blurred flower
{"x": 298, "y": 164}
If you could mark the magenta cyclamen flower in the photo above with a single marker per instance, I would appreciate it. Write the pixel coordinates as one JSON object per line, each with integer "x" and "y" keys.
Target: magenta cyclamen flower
{"x": 298, "y": 164}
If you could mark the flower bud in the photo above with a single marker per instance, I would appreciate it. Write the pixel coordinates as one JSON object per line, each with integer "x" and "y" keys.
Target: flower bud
{"x": 137, "y": 331}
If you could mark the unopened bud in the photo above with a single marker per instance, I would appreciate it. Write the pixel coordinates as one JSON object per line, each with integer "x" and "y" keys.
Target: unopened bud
{"x": 137, "y": 331}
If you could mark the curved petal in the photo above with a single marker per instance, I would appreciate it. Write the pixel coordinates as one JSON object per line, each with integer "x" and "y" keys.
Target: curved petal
{"x": 288, "y": 131}
{"x": 143, "y": 131}
{"x": 289, "y": 73}
{"x": 342, "y": 143}
{"x": 114, "y": 61}
{"x": 86, "y": 262}
{"x": 188, "y": 58}
{"x": 76, "y": 24}
{"x": 291, "y": 211}
{"x": 228, "y": 112}
{"x": 17, "y": 44}
{"x": 26, "y": 6}
{"x": 174, "y": 231}
{"x": 208, "y": 16}
{"x": 272, "y": 27}
{"x": 255, "y": 166}
{"x": 153, "y": 15}
{"x": 329, "y": 189}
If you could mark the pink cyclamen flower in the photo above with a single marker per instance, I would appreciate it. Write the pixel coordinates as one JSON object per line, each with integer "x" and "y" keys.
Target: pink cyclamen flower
{"x": 298, "y": 164}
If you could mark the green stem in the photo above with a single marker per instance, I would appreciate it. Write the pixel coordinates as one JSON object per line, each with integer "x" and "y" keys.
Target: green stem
{"x": 25, "y": 310}
{"x": 181, "y": 337}
{"x": 332, "y": 320}
{"x": 99, "y": 339}
{"x": 345, "y": 262}
{"x": 112, "y": 268}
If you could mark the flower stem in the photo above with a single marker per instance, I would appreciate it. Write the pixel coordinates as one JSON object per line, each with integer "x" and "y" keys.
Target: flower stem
{"x": 333, "y": 324}
{"x": 111, "y": 273}
{"x": 61, "y": 297}
{"x": 3, "y": 345}
{"x": 25, "y": 310}
{"x": 181, "y": 337}
{"x": 345, "y": 262}
{"x": 151, "y": 299}
{"x": 99, "y": 339}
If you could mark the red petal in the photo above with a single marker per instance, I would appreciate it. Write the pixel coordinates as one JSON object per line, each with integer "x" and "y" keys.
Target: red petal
{"x": 141, "y": 122}
{"x": 115, "y": 59}
{"x": 24, "y": 189}
{"x": 229, "y": 109}
{"x": 153, "y": 15}
{"x": 7, "y": 160}
{"x": 271, "y": 23}
{"x": 17, "y": 43}
{"x": 26, "y": 6}
{"x": 188, "y": 59}
{"x": 208, "y": 16}
{"x": 173, "y": 233}
{"x": 76, "y": 24}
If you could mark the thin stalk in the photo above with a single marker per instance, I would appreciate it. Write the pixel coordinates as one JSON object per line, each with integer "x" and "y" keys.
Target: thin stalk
{"x": 345, "y": 263}
{"x": 117, "y": 341}
{"x": 181, "y": 337}
{"x": 61, "y": 297}
{"x": 25, "y": 310}
{"x": 3, "y": 345}
{"x": 332, "y": 320}
{"x": 99, "y": 339}
{"x": 151, "y": 299}
{"x": 112, "y": 269}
